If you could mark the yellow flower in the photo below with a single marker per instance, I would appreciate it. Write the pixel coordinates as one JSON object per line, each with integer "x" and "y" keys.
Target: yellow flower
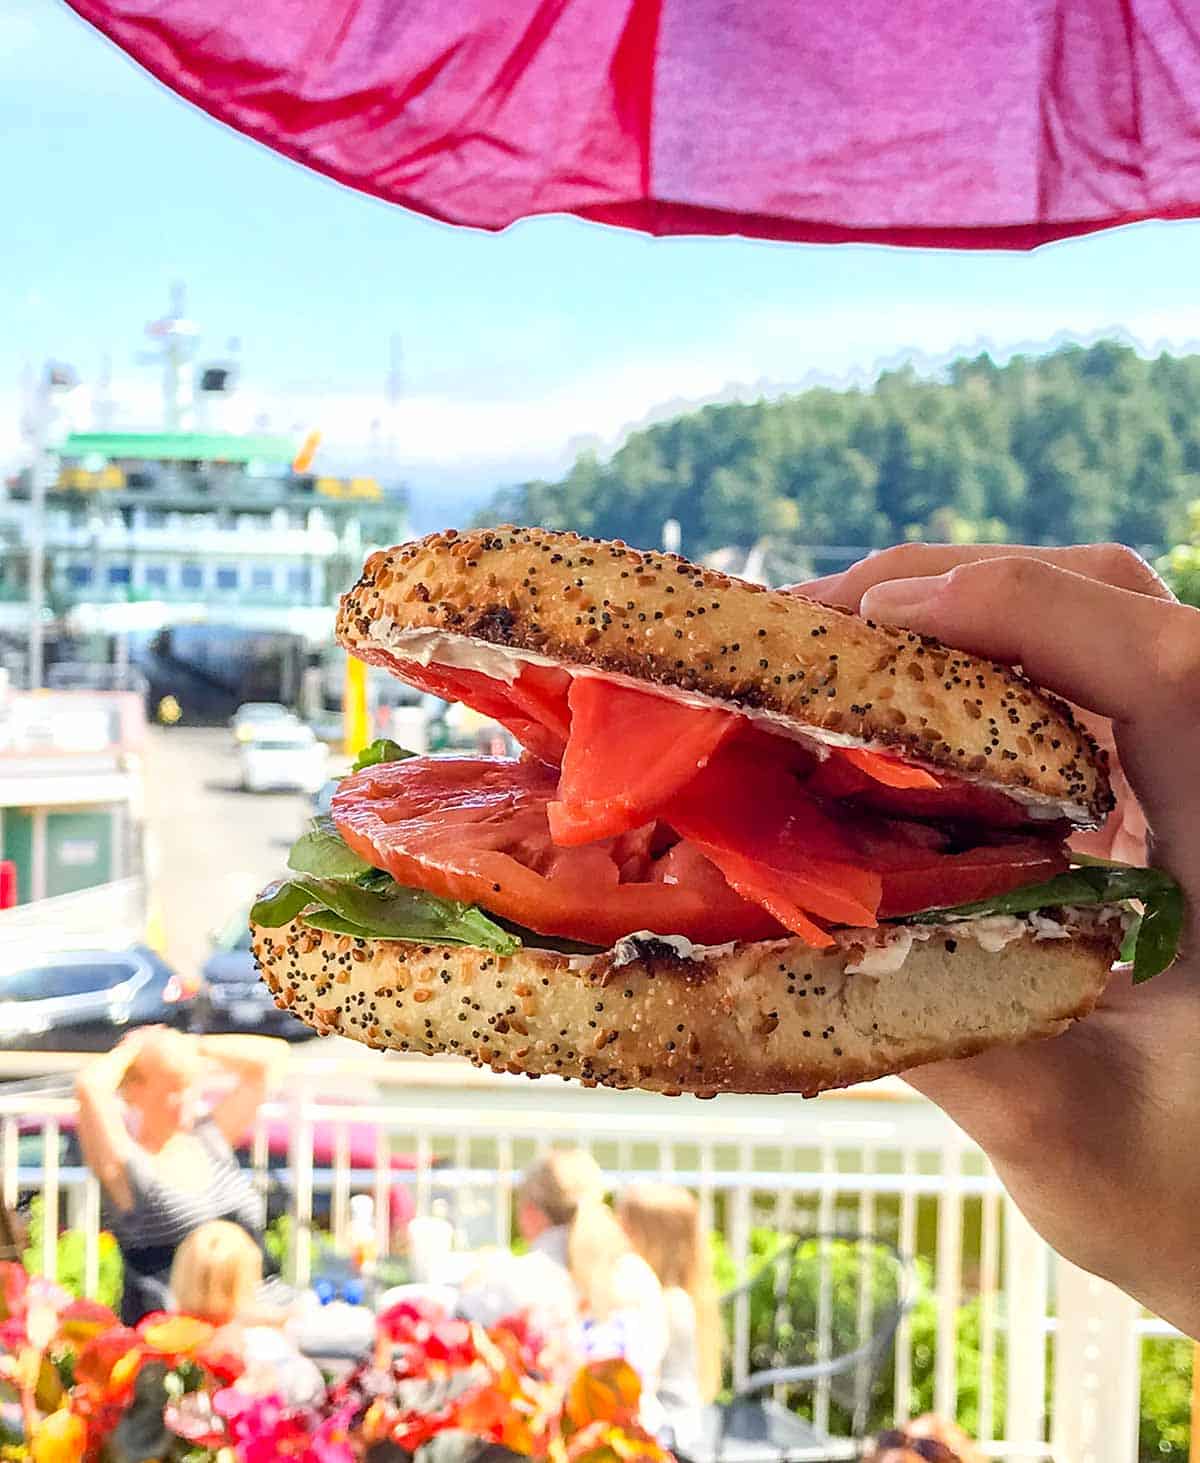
{"x": 59, "y": 1438}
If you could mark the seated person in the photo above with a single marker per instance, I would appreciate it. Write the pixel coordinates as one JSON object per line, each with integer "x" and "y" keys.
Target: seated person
{"x": 540, "y": 1281}
{"x": 589, "y": 1296}
{"x": 216, "y": 1276}
{"x": 664, "y": 1226}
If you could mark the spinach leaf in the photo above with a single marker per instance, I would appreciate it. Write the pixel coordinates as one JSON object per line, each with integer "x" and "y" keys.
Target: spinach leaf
{"x": 323, "y": 852}
{"x": 382, "y": 749}
{"x": 1152, "y": 944}
{"x": 381, "y": 912}
{"x": 1158, "y": 934}
{"x": 278, "y": 904}
{"x": 556, "y": 943}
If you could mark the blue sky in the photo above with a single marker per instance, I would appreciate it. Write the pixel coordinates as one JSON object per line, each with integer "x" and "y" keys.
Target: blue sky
{"x": 516, "y": 348}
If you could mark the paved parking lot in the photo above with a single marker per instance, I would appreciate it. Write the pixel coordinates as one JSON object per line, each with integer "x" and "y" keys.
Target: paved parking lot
{"x": 212, "y": 847}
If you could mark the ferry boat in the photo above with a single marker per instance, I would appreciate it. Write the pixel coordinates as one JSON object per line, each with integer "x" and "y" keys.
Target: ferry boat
{"x": 210, "y": 562}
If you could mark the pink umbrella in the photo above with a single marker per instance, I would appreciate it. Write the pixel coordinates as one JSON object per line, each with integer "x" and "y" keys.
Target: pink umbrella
{"x": 964, "y": 123}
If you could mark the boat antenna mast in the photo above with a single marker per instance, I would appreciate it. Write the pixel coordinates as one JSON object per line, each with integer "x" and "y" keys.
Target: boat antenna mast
{"x": 176, "y": 337}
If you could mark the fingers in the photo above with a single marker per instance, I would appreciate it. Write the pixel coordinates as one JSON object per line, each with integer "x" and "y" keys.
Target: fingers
{"x": 1110, "y": 563}
{"x": 1123, "y": 654}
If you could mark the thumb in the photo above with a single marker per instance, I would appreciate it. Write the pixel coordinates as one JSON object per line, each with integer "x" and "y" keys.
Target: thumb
{"x": 1126, "y": 656}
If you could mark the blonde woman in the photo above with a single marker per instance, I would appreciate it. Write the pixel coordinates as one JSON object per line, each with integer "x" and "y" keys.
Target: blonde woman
{"x": 664, "y": 1227}
{"x": 216, "y": 1276}
{"x": 216, "y": 1273}
{"x": 562, "y": 1214}
{"x": 165, "y": 1160}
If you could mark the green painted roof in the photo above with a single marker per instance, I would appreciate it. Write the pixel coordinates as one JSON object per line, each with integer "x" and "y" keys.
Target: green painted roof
{"x": 178, "y": 447}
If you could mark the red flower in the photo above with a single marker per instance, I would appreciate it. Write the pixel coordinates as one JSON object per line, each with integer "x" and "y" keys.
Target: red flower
{"x": 431, "y": 1342}
{"x": 83, "y": 1319}
{"x": 13, "y": 1284}
{"x": 108, "y": 1366}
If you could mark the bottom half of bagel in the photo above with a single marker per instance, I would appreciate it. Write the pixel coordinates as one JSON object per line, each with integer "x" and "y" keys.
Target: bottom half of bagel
{"x": 657, "y": 1013}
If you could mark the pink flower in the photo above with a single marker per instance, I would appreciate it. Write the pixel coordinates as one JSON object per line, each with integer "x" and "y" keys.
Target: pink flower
{"x": 331, "y": 1443}
{"x": 263, "y": 1431}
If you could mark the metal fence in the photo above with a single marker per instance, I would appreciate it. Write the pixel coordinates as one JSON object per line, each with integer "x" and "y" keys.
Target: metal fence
{"x": 901, "y": 1171}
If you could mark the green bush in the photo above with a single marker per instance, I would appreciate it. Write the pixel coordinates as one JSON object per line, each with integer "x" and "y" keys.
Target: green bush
{"x": 1164, "y": 1428}
{"x": 923, "y": 1323}
{"x": 278, "y": 1241}
{"x": 1166, "y": 1365}
{"x": 1181, "y": 566}
{"x": 70, "y": 1259}
{"x": 783, "y": 1317}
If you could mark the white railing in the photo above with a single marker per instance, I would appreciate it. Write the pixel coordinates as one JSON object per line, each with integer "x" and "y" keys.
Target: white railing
{"x": 900, "y": 1170}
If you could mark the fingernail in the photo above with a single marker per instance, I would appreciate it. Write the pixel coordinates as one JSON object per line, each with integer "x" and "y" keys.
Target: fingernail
{"x": 899, "y": 597}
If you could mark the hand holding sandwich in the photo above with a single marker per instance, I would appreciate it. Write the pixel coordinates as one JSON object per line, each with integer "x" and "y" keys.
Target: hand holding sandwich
{"x": 1093, "y": 1132}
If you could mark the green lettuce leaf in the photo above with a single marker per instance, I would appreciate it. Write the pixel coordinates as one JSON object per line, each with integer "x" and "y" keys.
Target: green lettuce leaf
{"x": 278, "y": 904}
{"x": 332, "y": 888}
{"x": 1151, "y": 944}
{"x": 382, "y": 749}
{"x": 322, "y": 851}
{"x": 381, "y": 912}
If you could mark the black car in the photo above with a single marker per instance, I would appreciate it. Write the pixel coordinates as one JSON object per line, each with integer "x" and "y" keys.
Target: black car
{"x": 85, "y": 1000}
{"x": 232, "y": 995}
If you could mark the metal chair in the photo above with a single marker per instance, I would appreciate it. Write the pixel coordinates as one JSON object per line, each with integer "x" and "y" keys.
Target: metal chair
{"x": 819, "y": 1317}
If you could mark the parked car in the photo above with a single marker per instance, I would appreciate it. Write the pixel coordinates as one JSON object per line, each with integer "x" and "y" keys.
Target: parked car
{"x": 232, "y": 996}
{"x": 288, "y": 758}
{"x": 256, "y": 719}
{"x": 85, "y": 1000}
{"x": 322, "y": 799}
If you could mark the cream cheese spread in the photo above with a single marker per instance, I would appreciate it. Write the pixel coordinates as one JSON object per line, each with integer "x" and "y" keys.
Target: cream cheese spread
{"x": 891, "y": 944}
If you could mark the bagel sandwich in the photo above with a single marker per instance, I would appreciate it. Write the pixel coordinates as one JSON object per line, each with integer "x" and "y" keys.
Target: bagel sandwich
{"x": 751, "y": 844}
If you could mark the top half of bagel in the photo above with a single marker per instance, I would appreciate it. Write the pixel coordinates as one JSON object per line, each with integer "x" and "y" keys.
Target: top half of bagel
{"x": 492, "y": 596}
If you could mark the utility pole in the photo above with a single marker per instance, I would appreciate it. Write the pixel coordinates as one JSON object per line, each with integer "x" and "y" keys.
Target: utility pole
{"x": 37, "y": 533}
{"x": 55, "y": 380}
{"x": 395, "y": 389}
{"x": 103, "y": 407}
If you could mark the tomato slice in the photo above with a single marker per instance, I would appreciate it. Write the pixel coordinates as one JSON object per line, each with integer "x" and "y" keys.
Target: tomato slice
{"x": 628, "y": 753}
{"x": 890, "y": 771}
{"x": 533, "y": 707}
{"x": 475, "y": 829}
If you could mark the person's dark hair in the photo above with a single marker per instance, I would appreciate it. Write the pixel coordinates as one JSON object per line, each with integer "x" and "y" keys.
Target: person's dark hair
{"x": 933, "y": 1450}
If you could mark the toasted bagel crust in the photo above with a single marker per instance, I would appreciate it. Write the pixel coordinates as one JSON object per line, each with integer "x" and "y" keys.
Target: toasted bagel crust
{"x": 774, "y": 1016}
{"x": 658, "y": 618}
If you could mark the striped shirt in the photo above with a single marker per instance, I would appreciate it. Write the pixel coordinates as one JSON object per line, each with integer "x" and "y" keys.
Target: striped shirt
{"x": 163, "y": 1215}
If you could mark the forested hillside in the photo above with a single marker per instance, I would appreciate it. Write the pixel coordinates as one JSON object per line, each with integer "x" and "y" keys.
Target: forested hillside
{"x": 1081, "y": 444}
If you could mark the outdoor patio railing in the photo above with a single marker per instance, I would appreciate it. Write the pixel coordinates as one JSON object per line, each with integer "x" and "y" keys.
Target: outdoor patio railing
{"x": 901, "y": 1171}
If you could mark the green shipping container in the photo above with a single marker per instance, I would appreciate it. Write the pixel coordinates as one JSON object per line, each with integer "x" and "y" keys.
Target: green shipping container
{"x": 78, "y": 848}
